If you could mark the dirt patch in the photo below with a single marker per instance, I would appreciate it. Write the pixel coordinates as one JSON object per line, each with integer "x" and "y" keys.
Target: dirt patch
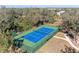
{"x": 54, "y": 45}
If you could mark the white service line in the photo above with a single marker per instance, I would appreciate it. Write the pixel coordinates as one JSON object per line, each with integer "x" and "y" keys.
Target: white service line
{"x": 68, "y": 40}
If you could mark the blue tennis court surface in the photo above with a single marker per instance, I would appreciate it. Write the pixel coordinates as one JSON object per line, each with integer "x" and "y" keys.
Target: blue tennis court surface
{"x": 38, "y": 34}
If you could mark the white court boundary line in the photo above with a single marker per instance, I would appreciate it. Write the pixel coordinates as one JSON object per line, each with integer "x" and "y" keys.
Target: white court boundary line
{"x": 68, "y": 40}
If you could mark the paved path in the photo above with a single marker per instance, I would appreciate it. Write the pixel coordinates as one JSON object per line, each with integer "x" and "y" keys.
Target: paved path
{"x": 68, "y": 40}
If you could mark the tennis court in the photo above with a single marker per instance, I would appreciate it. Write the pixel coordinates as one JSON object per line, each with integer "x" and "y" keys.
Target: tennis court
{"x": 37, "y": 35}
{"x": 34, "y": 39}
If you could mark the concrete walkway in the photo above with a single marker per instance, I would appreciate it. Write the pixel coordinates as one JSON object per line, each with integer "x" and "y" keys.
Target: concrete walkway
{"x": 68, "y": 40}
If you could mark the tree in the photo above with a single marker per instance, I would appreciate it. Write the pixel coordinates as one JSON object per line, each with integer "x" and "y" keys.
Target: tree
{"x": 13, "y": 20}
{"x": 68, "y": 50}
{"x": 71, "y": 21}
